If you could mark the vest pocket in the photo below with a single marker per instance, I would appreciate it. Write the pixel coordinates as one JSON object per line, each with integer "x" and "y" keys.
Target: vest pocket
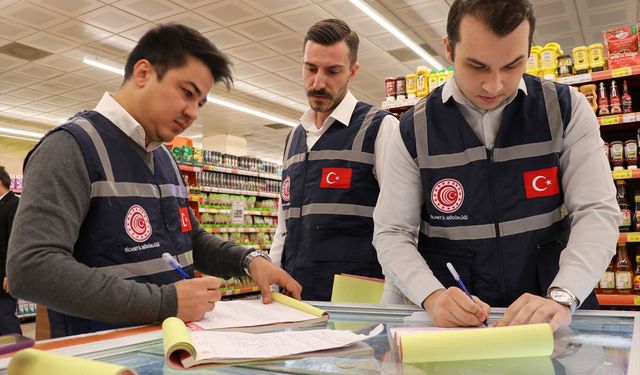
{"x": 461, "y": 259}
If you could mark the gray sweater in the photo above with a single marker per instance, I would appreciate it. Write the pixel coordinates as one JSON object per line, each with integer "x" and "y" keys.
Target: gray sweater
{"x": 41, "y": 266}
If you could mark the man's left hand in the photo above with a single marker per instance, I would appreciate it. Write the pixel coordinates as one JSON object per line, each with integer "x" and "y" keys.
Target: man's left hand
{"x": 265, "y": 273}
{"x": 530, "y": 309}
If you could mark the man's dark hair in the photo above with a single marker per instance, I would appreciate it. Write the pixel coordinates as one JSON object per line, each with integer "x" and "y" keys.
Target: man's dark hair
{"x": 331, "y": 31}
{"x": 5, "y": 180}
{"x": 168, "y": 46}
{"x": 501, "y": 16}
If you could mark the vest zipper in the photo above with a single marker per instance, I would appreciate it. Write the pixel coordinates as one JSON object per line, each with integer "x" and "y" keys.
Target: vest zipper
{"x": 496, "y": 223}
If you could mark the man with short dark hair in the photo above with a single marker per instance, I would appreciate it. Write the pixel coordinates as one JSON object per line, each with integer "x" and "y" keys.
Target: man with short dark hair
{"x": 9, "y": 322}
{"x": 331, "y": 175}
{"x": 103, "y": 200}
{"x": 505, "y": 177}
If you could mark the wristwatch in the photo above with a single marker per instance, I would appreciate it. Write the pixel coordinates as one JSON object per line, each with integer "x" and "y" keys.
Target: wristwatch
{"x": 563, "y": 297}
{"x": 250, "y": 257}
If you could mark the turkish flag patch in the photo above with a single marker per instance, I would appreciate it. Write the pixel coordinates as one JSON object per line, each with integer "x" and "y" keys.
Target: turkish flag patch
{"x": 336, "y": 178}
{"x": 541, "y": 182}
{"x": 185, "y": 222}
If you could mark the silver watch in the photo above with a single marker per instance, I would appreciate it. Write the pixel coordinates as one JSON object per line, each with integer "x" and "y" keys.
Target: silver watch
{"x": 563, "y": 297}
{"x": 250, "y": 257}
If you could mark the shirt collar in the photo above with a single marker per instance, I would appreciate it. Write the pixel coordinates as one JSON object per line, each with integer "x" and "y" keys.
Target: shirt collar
{"x": 342, "y": 113}
{"x": 114, "y": 112}
{"x": 4, "y": 195}
{"x": 451, "y": 89}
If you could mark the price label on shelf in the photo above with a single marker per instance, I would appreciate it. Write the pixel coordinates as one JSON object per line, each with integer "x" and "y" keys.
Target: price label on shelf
{"x": 609, "y": 120}
{"x": 636, "y": 300}
{"x": 621, "y": 72}
{"x": 629, "y": 117}
{"x": 237, "y": 212}
{"x": 633, "y": 237}
{"x": 623, "y": 174}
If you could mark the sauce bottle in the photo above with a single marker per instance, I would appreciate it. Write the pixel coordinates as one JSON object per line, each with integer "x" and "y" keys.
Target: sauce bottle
{"x": 603, "y": 101}
{"x": 636, "y": 276}
{"x": 624, "y": 272}
{"x": 614, "y": 99}
{"x": 607, "y": 282}
{"x": 625, "y": 210}
{"x": 627, "y": 106}
{"x": 422, "y": 83}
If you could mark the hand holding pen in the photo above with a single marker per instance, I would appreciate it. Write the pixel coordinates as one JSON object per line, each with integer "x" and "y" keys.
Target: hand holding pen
{"x": 462, "y": 286}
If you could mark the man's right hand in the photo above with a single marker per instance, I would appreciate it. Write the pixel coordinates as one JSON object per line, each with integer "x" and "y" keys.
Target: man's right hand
{"x": 196, "y": 297}
{"x": 453, "y": 308}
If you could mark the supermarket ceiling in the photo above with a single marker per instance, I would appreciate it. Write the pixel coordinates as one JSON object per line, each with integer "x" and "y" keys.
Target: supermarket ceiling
{"x": 262, "y": 37}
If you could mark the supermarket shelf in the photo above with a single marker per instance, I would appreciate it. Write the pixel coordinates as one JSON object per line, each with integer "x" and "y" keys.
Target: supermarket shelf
{"x": 238, "y": 229}
{"x": 263, "y": 194}
{"x": 600, "y": 76}
{"x": 261, "y": 247}
{"x": 228, "y": 211}
{"x": 619, "y": 119}
{"x": 629, "y": 237}
{"x": 626, "y": 174}
{"x": 390, "y": 105}
{"x": 241, "y": 172}
{"x": 618, "y": 299}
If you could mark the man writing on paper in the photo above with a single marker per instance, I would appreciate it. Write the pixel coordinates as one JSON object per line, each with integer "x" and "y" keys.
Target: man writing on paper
{"x": 505, "y": 176}
{"x": 330, "y": 177}
{"x": 103, "y": 199}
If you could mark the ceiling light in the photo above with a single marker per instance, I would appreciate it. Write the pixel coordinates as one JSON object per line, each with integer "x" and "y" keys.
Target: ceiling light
{"x": 15, "y": 132}
{"x": 397, "y": 33}
{"x": 228, "y": 104}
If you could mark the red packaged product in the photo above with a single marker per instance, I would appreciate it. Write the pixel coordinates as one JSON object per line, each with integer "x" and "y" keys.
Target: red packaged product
{"x": 621, "y": 39}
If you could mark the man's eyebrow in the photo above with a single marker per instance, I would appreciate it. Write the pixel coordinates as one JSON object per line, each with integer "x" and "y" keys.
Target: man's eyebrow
{"x": 477, "y": 62}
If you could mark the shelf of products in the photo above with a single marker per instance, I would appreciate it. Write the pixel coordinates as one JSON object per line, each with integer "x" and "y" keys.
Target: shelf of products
{"x": 209, "y": 189}
{"x": 604, "y": 75}
{"x": 25, "y": 309}
{"x": 240, "y": 172}
{"x": 618, "y": 299}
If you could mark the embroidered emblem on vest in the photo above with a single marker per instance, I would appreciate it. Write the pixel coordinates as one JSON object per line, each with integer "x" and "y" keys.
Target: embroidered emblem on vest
{"x": 541, "y": 182}
{"x": 284, "y": 190}
{"x": 137, "y": 224}
{"x": 447, "y": 195}
{"x": 336, "y": 178}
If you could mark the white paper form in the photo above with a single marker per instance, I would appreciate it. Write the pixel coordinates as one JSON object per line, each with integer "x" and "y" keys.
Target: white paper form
{"x": 238, "y": 346}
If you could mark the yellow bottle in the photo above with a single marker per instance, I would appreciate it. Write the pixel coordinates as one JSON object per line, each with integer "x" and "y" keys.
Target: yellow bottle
{"x": 533, "y": 62}
{"x": 442, "y": 77}
{"x": 549, "y": 57}
{"x": 450, "y": 72}
{"x": 433, "y": 80}
{"x": 581, "y": 59}
{"x": 412, "y": 85}
{"x": 422, "y": 84}
{"x": 596, "y": 57}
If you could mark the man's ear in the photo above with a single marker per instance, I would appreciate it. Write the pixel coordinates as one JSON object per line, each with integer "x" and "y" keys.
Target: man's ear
{"x": 353, "y": 71}
{"x": 142, "y": 72}
{"x": 448, "y": 49}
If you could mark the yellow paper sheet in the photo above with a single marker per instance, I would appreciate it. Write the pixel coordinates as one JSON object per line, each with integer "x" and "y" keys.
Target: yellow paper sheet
{"x": 298, "y": 305}
{"x": 39, "y": 362}
{"x": 532, "y": 340}
{"x": 355, "y": 289}
{"x": 176, "y": 337}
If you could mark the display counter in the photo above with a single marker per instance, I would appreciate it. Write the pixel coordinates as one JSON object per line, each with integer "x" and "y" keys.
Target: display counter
{"x": 596, "y": 342}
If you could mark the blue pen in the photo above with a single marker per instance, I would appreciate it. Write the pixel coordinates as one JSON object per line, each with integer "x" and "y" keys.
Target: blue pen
{"x": 174, "y": 263}
{"x": 461, "y": 284}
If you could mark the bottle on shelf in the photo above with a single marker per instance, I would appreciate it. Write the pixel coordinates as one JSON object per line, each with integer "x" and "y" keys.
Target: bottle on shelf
{"x": 603, "y": 101}
{"x": 627, "y": 106}
{"x": 625, "y": 209}
{"x": 623, "y": 270}
{"x": 616, "y": 155}
{"x": 423, "y": 81}
{"x": 631, "y": 153}
{"x": 636, "y": 276}
{"x": 636, "y": 199}
{"x": 614, "y": 99}
{"x": 607, "y": 284}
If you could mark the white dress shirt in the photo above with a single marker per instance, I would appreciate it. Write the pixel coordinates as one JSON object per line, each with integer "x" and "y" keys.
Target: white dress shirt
{"x": 589, "y": 196}
{"x": 114, "y": 112}
{"x": 342, "y": 113}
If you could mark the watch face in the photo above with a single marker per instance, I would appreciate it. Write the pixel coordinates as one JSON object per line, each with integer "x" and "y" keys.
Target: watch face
{"x": 561, "y": 297}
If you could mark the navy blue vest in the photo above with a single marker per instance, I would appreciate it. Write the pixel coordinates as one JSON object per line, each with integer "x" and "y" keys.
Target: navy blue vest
{"x": 134, "y": 216}
{"x": 328, "y": 196}
{"x": 498, "y": 216}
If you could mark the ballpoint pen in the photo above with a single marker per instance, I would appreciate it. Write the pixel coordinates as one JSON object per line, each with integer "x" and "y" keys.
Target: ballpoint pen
{"x": 461, "y": 284}
{"x": 174, "y": 263}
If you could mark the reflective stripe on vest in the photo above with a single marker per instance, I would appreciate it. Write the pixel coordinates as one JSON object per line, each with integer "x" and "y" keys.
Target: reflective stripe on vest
{"x": 329, "y": 209}
{"x": 486, "y": 231}
{"x": 110, "y": 188}
{"x": 147, "y": 267}
{"x": 554, "y": 115}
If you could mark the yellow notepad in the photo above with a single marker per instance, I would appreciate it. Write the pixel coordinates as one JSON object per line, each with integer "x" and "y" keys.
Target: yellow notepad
{"x": 352, "y": 288}
{"x": 184, "y": 349}
{"x": 429, "y": 344}
{"x": 39, "y": 362}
